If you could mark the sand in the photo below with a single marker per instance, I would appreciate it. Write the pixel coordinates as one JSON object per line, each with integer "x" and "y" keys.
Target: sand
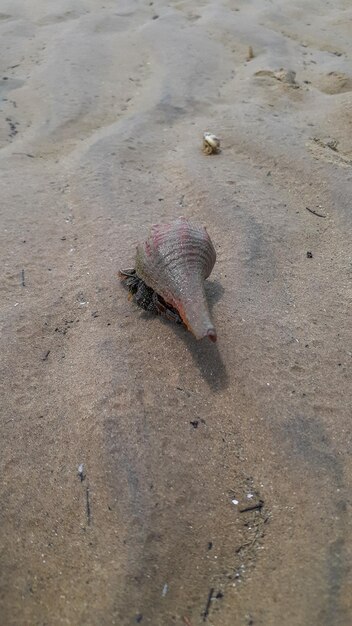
{"x": 103, "y": 107}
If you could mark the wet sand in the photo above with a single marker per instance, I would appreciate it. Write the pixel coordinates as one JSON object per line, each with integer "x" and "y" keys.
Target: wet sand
{"x": 103, "y": 107}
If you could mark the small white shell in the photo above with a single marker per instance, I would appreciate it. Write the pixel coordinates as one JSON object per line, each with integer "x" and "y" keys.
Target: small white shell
{"x": 211, "y": 143}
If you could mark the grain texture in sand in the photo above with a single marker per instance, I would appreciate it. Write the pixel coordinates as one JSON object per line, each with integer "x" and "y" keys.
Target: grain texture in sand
{"x": 147, "y": 478}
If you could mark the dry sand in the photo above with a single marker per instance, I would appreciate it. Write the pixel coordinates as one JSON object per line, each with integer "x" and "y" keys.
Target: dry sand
{"x": 103, "y": 106}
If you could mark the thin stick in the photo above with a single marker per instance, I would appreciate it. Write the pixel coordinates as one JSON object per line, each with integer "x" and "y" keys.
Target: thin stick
{"x": 314, "y": 212}
{"x": 23, "y": 282}
{"x": 207, "y": 606}
{"x": 253, "y": 507}
{"x": 89, "y": 517}
{"x": 250, "y": 54}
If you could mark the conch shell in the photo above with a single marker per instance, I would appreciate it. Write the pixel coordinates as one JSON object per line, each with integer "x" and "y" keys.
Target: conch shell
{"x": 174, "y": 262}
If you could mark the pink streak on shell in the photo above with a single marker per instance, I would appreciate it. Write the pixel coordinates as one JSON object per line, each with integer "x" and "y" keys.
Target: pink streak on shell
{"x": 175, "y": 261}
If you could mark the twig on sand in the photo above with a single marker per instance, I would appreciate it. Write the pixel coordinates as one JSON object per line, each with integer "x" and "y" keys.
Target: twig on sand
{"x": 186, "y": 621}
{"x": 315, "y": 212}
{"x": 207, "y": 606}
{"x": 253, "y": 507}
{"x": 89, "y": 515}
{"x": 250, "y": 54}
{"x": 45, "y": 357}
{"x": 23, "y": 281}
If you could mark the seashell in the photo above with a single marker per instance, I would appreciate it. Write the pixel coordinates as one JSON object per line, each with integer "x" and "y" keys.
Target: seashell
{"x": 170, "y": 270}
{"x": 211, "y": 143}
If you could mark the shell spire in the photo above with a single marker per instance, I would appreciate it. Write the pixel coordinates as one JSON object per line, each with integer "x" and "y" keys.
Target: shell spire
{"x": 174, "y": 262}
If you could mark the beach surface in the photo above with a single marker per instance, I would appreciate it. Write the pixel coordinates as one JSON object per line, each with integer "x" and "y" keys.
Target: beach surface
{"x": 145, "y": 477}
